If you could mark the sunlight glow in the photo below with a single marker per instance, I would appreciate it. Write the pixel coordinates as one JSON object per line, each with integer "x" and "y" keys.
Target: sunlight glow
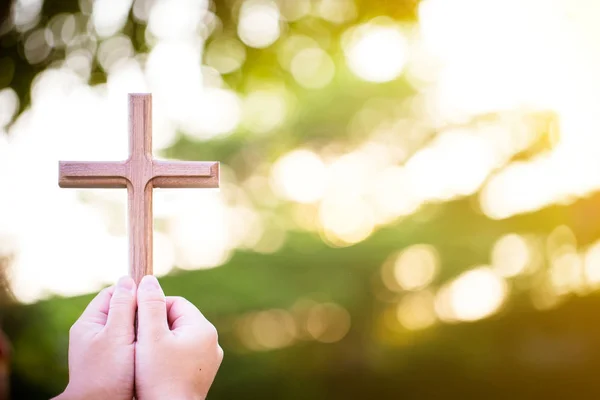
{"x": 259, "y": 23}
{"x": 176, "y": 19}
{"x": 255, "y": 117}
{"x": 109, "y": 17}
{"x": 26, "y": 12}
{"x": 9, "y": 103}
{"x": 61, "y": 98}
{"x": 416, "y": 266}
{"x": 200, "y": 234}
{"x": 292, "y": 10}
{"x": 291, "y": 46}
{"x": 312, "y": 68}
{"x": 511, "y": 255}
{"x": 346, "y": 219}
{"x": 299, "y": 176}
{"x": 225, "y": 55}
{"x": 416, "y": 310}
{"x": 394, "y": 194}
{"x": 328, "y": 322}
{"x": 376, "y": 51}
{"x": 273, "y": 329}
{"x": 473, "y": 295}
{"x": 214, "y": 112}
{"x": 592, "y": 265}
{"x": 266, "y": 330}
{"x": 567, "y": 272}
{"x": 336, "y": 11}
{"x": 508, "y": 115}
{"x": 506, "y": 75}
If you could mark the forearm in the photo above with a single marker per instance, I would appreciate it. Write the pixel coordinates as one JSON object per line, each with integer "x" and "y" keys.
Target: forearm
{"x": 79, "y": 394}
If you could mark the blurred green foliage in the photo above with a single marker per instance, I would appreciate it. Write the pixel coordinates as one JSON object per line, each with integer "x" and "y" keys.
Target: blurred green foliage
{"x": 518, "y": 353}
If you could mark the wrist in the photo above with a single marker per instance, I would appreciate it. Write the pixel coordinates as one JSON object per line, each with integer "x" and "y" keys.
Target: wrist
{"x": 67, "y": 394}
{"x": 171, "y": 395}
{"x": 71, "y": 393}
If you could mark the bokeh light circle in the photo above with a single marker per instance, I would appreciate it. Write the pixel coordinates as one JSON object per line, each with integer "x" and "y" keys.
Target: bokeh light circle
{"x": 376, "y": 52}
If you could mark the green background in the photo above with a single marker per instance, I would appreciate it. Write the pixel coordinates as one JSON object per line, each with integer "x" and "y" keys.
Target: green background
{"x": 520, "y": 352}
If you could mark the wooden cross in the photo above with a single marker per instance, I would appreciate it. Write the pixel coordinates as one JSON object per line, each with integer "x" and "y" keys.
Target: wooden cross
{"x": 140, "y": 173}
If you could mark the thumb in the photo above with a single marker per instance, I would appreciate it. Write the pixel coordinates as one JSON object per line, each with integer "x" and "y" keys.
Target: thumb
{"x": 121, "y": 312}
{"x": 152, "y": 309}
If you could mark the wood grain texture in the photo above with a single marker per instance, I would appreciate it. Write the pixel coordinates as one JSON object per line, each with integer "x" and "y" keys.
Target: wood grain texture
{"x": 140, "y": 173}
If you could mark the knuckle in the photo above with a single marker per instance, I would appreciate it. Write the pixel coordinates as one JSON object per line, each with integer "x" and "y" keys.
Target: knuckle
{"x": 120, "y": 301}
{"x": 210, "y": 333}
{"x": 220, "y": 353}
{"x": 124, "y": 334}
{"x": 144, "y": 295}
{"x": 153, "y": 303}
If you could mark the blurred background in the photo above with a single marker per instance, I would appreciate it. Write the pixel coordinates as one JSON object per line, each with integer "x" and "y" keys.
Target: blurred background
{"x": 409, "y": 199}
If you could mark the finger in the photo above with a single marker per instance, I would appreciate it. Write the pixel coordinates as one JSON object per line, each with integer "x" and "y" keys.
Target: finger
{"x": 121, "y": 313}
{"x": 181, "y": 314}
{"x": 97, "y": 311}
{"x": 152, "y": 309}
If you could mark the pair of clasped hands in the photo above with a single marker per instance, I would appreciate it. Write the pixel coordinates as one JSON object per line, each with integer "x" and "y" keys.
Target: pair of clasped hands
{"x": 175, "y": 355}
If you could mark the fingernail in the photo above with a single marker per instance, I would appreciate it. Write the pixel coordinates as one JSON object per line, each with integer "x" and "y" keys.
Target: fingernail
{"x": 126, "y": 283}
{"x": 149, "y": 282}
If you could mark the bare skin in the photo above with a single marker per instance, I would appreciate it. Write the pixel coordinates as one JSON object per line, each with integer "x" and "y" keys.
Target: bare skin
{"x": 176, "y": 354}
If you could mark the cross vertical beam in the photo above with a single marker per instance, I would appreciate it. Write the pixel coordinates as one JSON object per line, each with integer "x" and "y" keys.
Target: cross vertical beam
{"x": 139, "y": 188}
{"x": 140, "y": 173}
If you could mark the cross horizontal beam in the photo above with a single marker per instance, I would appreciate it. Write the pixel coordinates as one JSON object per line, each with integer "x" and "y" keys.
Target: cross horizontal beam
{"x": 119, "y": 174}
{"x": 140, "y": 173}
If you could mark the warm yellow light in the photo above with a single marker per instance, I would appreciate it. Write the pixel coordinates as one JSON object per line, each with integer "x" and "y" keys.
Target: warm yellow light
{"x": 561, "y": 240}
{"x": 510, "y": 255}
{"x": 394, "y": 194}
{"x": 225, "y": 55}
{"x": 511, "y": 192}
{"x": 376, "y": 52}
{"x": 566, "y": 273}
{"x": 443, "y": 304}
{"x": 163, "y": 254}
{"x": 199, "y": 229}
{"x": 211, "y": 113}
{"x": 543, "y": 293}
{"x": 312, "y": 68}
{"x": 258, "y": 25}
{"x": 455, "y": 164}
{"x": 291, "y": 46}
{"x": 272, "y": 238}
{"x": 505, "y": 76}
{"x": 299, "y": 176}
{"x": 346, "y": 219}
{"x": 592, "y": 265}
{"x": 416, "y": 310}
{"x": 273, "y": 329}
{"x": 176, "y": 19}
{"x": 328, "y": 322}
{"x": 477, "y": 294}
{"x": 337, "y": 11}
{"x": 292, "y": 10}
{"x": 264, "y": 110}
{"x": 416, "y": 266}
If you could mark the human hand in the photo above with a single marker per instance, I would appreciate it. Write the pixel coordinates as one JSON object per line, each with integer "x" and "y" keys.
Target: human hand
{"x": 101, "y": 346}
{"x": 177, "y": 352}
